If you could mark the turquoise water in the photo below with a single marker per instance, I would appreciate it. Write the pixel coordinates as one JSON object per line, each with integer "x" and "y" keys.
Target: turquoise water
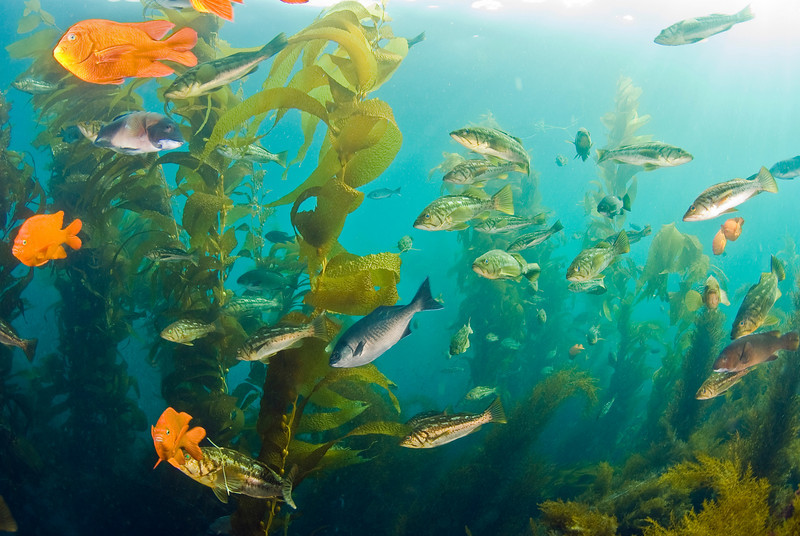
{"x": 538, "y": 70}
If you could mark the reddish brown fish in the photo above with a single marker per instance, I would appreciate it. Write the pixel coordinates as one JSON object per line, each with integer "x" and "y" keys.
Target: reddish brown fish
{"x": 754, "y": 349}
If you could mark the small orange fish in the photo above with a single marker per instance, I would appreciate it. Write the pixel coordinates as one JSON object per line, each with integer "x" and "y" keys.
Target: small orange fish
{"x": 294, "y": 1}
{"x": 106, "y": 52}
{"x": 719, "y": 243}
{"x": 171, "y": 434}
{"x": 40, "y": 237}
{"x": 220, "y": 8}
{"x": 732, "y": 228}
{"x": 576, "y": 349}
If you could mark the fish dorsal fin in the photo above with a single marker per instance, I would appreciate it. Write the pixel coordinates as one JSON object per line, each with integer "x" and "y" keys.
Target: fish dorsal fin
{"x": 113, "y": 54}
{"x": 155, "y": 29}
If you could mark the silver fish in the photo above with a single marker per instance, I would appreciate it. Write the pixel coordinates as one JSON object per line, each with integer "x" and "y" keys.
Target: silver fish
{"x": 206, "y": 77}
{"x": 786, "y": 169}
{"x": 253, "y": 153}
{"x": 693, "y": 30}
{"x": 650, "y": 155}
{"x": 535, "y": 238}
{"x": 723, "y": 197}
{"x": 374, "y": 334}
{"x": 34, "y": 86}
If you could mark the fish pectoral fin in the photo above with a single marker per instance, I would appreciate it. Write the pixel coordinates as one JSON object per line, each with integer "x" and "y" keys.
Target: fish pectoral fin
{"x": 746, "y": 351}
{"x": 222, "y": 494}
{"x": 460, "y": 227}
{"x": 359, "y": 349}
{"x": 773, "y": 357}
{"x": 56, "y": 251}
{"x": 732, "y": 209}
{"x": 113, "y": 54}
{"x": 407, "y": 332}
{"x": 650, "y": 167}
{"x": 771, "y": 320}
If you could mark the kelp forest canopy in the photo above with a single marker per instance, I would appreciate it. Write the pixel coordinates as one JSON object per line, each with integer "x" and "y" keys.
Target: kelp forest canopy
{"x": 621, "y": 446}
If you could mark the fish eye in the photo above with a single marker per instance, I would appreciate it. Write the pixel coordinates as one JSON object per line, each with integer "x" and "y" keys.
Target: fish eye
{"x": 167, "y": 431}
{"x": 741, "y": 322}
{"x": 485, "y": 261}
{"x": 692, "y": 208}
{"x": 24, "y": 242}
{"x": 72, "y": 37}
{"x": 427, "y": 216}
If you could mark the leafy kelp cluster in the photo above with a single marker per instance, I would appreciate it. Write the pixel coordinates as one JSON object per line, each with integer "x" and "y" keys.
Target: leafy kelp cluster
{"x": 620, "y": 446}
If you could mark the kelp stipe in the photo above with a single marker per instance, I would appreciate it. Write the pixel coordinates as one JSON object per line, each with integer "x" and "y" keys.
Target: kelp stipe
{"x": 705, "y": 342}
{"x": 769, "y": 449}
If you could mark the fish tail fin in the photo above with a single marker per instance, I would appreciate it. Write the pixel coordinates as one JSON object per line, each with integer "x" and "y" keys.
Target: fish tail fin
{"x": 746, "y": 14}
{"x": 495, "y": 411}
{"x": 29, "y": 347}
{"x": 286, "y": 487}
{"x": 647, "y": 230}
{"x": 622, "y": 244}
{"x": 723, "y": 298}
{"x": 503, "y": 200}
{"x": 281, "y": 158}
{"x": 191, "y": 440}
{"x": 273, "y": 47}
{"x": 791, "y": 340}
{"x": 72, "y": 230}
{"x": 398, "y": 191}
{"x": 626, "y": 202}
{"x": 557, "y": 226}
{"x": 179, "y": 46}
{"x": 414, "y": 40}
{"x": 601, "y": 154}
{"x": 194, "y": 257}
{"x": 532, "y": 271}
{"x": 319, "y": 327}
{"x": 776, "y": 267}
{"x": 7, "y": 522}
{"x": 220, "y": 8}
{"x": 423, "y": 300}
{"x": 766, "y": 181}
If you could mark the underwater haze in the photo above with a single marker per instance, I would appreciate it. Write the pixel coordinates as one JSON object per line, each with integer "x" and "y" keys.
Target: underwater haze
{"x": 436, "y": 268}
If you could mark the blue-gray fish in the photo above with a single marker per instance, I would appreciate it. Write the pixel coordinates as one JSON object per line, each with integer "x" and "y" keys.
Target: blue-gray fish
{"x": 693, "y": 30}
{"x": 9, "y": 337}
{"x": 786, "y": 169}
{"x": 432, "y": 430}
{"x": 206, "y": 77}
{"x": 139, "y": 133}
{"x": 34, "y": 86}
{"x": 371, "y": 336}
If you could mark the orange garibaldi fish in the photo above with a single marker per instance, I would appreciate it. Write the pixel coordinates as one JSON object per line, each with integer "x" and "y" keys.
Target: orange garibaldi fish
{"x": 220, "y": 8}
{"x": 40, "y": 239}
{"x": 106, "y": 52}
{"x": 171, "y": 434}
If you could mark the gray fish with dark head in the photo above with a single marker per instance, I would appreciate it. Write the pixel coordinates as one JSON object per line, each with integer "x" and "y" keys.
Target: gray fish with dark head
{"x": 139, "y": 133}
{"x": 371, "y": 336}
